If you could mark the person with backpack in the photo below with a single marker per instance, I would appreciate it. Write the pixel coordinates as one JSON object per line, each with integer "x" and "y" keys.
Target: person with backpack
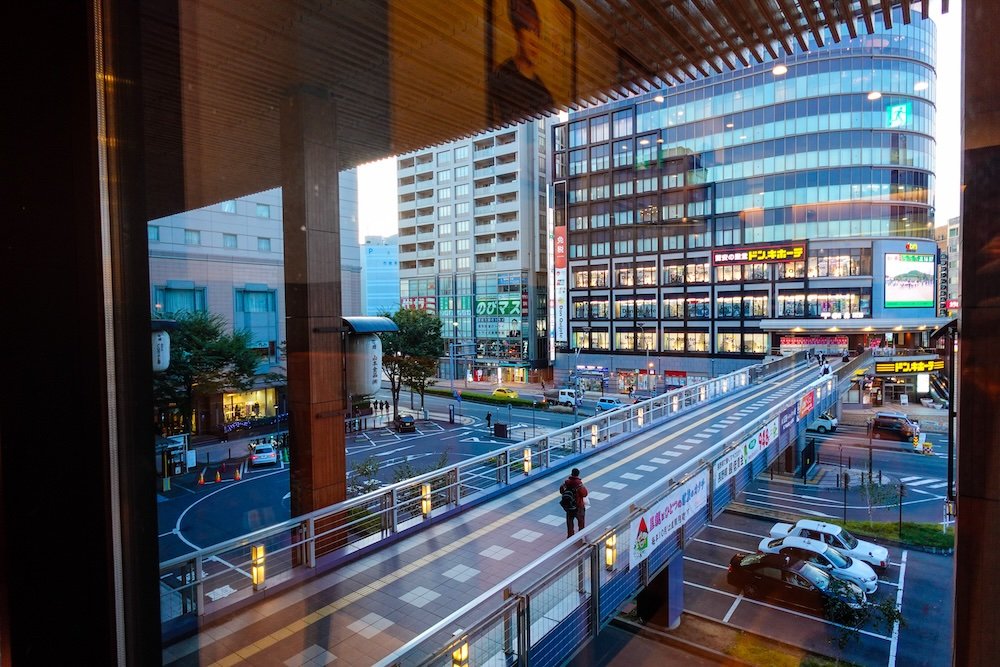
{"x": 572, "y": 498}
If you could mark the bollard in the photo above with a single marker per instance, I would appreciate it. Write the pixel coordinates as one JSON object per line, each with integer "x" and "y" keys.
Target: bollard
{"x": 879, "y": 476}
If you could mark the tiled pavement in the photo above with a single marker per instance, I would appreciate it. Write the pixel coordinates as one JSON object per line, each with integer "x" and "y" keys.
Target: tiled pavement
{"x": 365, "y": 610}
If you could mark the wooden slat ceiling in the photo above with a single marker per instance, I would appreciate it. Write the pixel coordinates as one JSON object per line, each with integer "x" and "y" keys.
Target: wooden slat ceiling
{"x": 407, "y": 74}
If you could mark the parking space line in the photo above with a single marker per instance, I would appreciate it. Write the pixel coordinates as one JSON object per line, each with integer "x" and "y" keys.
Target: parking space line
{"x": 791, "y": 507}
{"x": 824, "y": 502}
{"x": 705, "y": 562}
{"x": 733, "y": 530}
{"x": 899, "y": 605}
{"x": 736, "y": 603}
{"x": 716, "y": 544}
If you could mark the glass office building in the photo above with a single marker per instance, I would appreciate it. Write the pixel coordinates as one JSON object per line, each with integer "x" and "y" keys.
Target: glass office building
{"x": 704, "y": 226}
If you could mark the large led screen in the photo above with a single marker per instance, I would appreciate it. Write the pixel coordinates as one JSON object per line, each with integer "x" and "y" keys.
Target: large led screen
{"x": 909, "y": 280}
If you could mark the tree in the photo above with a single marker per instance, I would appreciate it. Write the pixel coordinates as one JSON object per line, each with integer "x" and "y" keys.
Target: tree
{"x": 877, "y": 495}
{"x": 851, "y": 617}
{"x": 419, "y": 336}
{"x": 204, "y": 360}
{"x": 417, "y": 374}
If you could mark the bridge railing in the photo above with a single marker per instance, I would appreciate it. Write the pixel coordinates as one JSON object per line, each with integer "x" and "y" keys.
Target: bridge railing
{"x": 555, "y": 604}
{"x": 218, "y": 577}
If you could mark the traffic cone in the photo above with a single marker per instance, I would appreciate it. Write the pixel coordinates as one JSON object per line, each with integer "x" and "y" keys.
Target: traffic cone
{"x": 237, "y": 477}
{"x": 218, "y": 476}
{"x": 201, "y": 478}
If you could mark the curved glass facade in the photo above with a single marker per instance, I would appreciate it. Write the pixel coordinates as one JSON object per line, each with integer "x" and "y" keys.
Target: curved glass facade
{"x": 647, "y": 188}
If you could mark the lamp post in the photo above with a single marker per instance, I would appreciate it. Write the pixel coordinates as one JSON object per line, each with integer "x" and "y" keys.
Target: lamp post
{"x": 277, "y": 426}
{"x": 534, "y": 404}
{"x": 451, "y": 351}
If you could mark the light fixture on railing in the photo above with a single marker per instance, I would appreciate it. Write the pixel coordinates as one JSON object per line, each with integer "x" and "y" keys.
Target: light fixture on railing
{"x": 527, "y": 460}
{"x": 639, "y": 416}
{"x": 460, "y": 656}
{"x": 425, "y": 499}
{"x": 702, "y": 393}
{"x": 257, "y": 566}
{"x": 594, "y": 434}
{"x": 610, "y": 551}
{"x": 677, "y": 403}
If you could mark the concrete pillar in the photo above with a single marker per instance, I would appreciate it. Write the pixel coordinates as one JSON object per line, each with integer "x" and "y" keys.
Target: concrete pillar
{"x": 317, "y": 403}
{"x": 978, "y": 390}
{"x": 661, "y": 602}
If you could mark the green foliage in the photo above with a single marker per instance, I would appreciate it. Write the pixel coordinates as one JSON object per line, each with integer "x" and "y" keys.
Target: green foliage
{"x": 479, "y": 397}
{"x": 204, "y": 360}
{"x": 365, "y": 477}
{"x": 881, "y": 615}
{"x": 410, "y": 355}
{"x": 916, "y": 534}
{"x": 878, "y": 495}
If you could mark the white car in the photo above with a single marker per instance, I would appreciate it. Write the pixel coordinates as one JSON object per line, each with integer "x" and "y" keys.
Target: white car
{"x": 825, "y": 423}
{"x": 823, "y": 555}
{"x": 835, "y": 536}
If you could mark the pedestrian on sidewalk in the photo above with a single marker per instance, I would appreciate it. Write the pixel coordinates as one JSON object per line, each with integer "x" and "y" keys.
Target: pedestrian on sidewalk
{"x": 573, "y": 499}
{"x": 489, "y": 419}
{"x": 543, "y": 385}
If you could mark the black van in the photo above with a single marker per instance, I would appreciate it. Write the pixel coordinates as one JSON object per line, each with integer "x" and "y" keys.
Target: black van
{"x": 893, "y": 426}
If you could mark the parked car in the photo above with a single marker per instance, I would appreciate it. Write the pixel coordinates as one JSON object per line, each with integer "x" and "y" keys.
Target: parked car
{"x": 406, "y": 423}
{"x": 893, "y": 426}
{"x": 263, "y": 455}
{"x": 824, "y": 556}
{"x": 608, "y": 403}
{"x": 775, "y": 576}
{"x": 825, "y": 423}
{"x": 568, "y": 397}
{"x": 504, "y": 392}
{"x": 835, "y": 536}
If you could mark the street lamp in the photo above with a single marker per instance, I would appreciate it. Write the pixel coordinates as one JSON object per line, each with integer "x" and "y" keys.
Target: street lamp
{"x": 451, "y": 350}
{"x": 534, "y": 404}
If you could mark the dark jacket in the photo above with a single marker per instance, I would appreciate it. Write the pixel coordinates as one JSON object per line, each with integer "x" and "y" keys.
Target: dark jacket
{"x": 574, "y": 482}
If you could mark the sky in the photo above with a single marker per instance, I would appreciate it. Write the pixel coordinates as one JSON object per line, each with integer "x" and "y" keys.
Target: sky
{"x": 377, "y": 203}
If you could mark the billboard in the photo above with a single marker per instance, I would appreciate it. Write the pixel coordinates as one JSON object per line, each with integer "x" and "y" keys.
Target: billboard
{"x": 662, "y": 520}
{"x": 787, "y": 252}
{"x": 909, "y": 280}
{"x": 561, "y": 286}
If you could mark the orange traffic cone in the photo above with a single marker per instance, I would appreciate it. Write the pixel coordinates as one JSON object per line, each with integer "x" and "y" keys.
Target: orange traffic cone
{"x": 201, "y": 478}
{"x": 237, "y": 476}
{"x": 218, "y": 476}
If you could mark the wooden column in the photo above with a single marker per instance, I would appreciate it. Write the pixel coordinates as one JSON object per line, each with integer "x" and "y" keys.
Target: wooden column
{"x": 978, "y": 537}
{"x": 316, "y": 399}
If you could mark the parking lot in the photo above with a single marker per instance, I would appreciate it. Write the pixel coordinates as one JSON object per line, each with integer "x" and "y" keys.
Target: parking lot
{"x": 921, "y": 582}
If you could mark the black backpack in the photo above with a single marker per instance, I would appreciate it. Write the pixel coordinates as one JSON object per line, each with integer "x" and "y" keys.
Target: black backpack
{"x": 567, "y": 499}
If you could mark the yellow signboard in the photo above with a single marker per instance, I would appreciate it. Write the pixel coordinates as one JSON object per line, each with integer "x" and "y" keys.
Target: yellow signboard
{"x": 896, "y": 367}
{"x": 761, "y": 254}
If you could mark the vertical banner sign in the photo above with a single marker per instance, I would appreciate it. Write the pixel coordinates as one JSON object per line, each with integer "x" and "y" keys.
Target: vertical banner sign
{"x": 662, "y": 520}
{"x": 806, "y": 404}
{"x": 550, "y": 272}
{"x": 562, "y": 310}
{"x": 788, "y": 419}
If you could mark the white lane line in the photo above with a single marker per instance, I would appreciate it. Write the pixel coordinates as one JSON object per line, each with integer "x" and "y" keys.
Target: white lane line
{"x": 789, "y": 507}
{"x": 684, "y": 447}
{"x": 716, "y": 544}
{"x": 924, "y": 481}
{"x": 671, "y": 453}
{"x": 693, "y": 441}
{"x": 736, "y": 603}
{"x": 823, "y": 502}
{"x": 899, "y": 605}
{"x": 938, "y": 486}
{"x": 705, "y": 562}
{"x": 907, "y": 480}
{"x": 733, "y": 530}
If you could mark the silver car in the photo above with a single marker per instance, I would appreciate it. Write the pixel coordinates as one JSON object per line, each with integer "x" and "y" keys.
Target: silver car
{"x": 824, "y": 556}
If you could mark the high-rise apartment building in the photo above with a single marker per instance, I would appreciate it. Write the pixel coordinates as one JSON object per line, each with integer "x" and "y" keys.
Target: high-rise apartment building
{"x": 228, "y": 259}
{"x": 785, "y": 206}
{"x": 949, "y": 240}
{"x": 472, "y": 249}
{"x": 380, "y": 275}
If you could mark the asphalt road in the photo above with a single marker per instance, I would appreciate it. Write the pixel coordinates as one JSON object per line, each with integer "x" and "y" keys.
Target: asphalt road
{"x": 922, "y": 582}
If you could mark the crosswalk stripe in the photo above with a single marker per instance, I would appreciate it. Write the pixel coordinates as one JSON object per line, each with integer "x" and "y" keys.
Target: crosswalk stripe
{"x": 907, "y": 480}
{"x": 938, "y": 486}
{"x": 923, "y": 482}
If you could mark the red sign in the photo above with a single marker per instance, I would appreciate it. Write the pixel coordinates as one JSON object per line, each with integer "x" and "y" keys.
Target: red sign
{"x": 418, "y": 303}
{"x": 560, "y": 247}
{"x": 806, "y": 404}
{"x": 951, "y": 304}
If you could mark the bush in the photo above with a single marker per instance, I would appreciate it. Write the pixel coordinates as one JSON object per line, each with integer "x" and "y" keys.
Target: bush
{"x": 480, "y": 397}
{"x": 917, "y": 534}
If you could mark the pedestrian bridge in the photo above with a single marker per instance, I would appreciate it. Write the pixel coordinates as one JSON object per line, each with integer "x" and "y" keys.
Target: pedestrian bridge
{"x": 470, "y": 564}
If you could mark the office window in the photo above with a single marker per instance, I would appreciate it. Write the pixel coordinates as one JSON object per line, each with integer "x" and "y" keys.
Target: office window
{"x": 462, "y": 190}
{"x": 462, "y": 245}
{"x": 728, "y": 307}
{"x": 444, "y": 247}
{"x": 229, "y": 206}
{"x": 625, "y": 277}
{"x": 599, "y": 129}
{"x": 462, "y": 208}
{"x": 600, "y": 340}
{"x": 581, "y": 278}
{"x": 599, "y": 309}
{"x": 673, "y": 342}
{"x": 463, "y": 263}
{"x": 461, "y": 153}
{"x": 444, "y": 194}
{"x": 170, "y": 300}
{"x": 229, "y": 241}
{"x": 444, "y": 176}
{"x": 697, "y": 342}
{"x": 645, "y": 275}
{"x": 624, "y": 340}
{"x": 262, "y": 210}
{"x": 581, "y": 309}
{"x": 622, "y": 122}
{"x": 461, "y": 172}
{"x": 623, "y": 153}
{"x": 263, "y": 244}
{"x": 192, "y": 237}
{"x": 599, "y": 278}
{"x": 444, "y": 157}
{"x": 645, "y": 309}
{"x": 727, "y": 342}
{"x": 462, "y": 227}
{"x": 444, "y": 229}
{"x": 673, "y": 309}
{"x": 599, "y": 157}
{"x": 445, "y": 265}
{"x": 673, "y": 274}
{"x": 255, "y": 310}
{"x": 444, "y": 211}
{"x": 152, "y": 233}
{"x": 755, "y": 343}
{"x": 696, "y": 273}
{"x": 698, "y": 308}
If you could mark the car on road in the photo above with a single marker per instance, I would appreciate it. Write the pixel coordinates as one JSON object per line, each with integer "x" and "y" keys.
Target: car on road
{"x": 835, "y": 536}
{"x": 504, "y": 392}
{"x": 823, "y": 555}
{"x": 608, "y": 403}
{"x": 825, "y": 423}
{"x": 893, "y": 426}
{"x": 406, "y": 424}
{"x": 568, "y": 397}
{"x": 263, "y": 455}
{"x": 775, "y": 576}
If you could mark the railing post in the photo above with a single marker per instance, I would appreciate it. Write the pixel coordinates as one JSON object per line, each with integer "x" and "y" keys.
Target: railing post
{"x": 394, "y": 510}
{"x": 546, "y": 453}
{"x": 311, "y": 541}
{"x": 199, "y": 587}
{"x": 453, "y": 487}
{"x": 523, "y": 629}
{"x": 595, "y": 589}
{"x": 508, "y": 626}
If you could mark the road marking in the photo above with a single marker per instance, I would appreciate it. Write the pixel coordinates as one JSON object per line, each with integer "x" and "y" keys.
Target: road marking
{"x": 907, "y": 480}
{"x": 684, "y": 447}
{"x": 823, "y": 502}
{"x": 791, "y": 507}
{"x": 717, "y": 544}
{"x": 736, "y": 603}
{"x": 733, "y": 530}
{"x": 899, "y": 605}
{"x": 705, "y": 562}
{"x": 923, "y": 482}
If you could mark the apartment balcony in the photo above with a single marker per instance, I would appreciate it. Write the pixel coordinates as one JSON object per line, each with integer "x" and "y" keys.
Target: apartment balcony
{"x": 425, "y": 218}
{"x": 427, "y": 236}
{"x": 426, "y": 270}
{"x": 484, "y": 171}
{"x": 485, "y": 190}
{"x": 486, "y": 263}
{"x": 485, "y": 209}
{"x": 484, "y": 152}
{"x": 506, "y": 187}
{"x": 508, "y": 245}
{"x": 407, "y": 231}
{"x": 405, "y": 188}
{"x": 486, "y": 246}
{"x": 425, "y": 246}
{"x": 485, "y": 226}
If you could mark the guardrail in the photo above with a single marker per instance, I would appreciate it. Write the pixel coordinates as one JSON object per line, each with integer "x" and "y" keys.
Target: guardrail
{"x": 563, "y": 598}
{"x": 215, "y": 578}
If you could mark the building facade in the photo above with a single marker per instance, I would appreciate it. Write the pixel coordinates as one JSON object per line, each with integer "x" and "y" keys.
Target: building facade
{"x": 227, "y": 259}
{"x": 949, "y": 240}
{"x": 708, "y": 225}
{"x": 472, "y": 250}
{"x": 380, "y": 275}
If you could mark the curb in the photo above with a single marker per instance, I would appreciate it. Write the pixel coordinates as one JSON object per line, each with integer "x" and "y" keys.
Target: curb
{"x": 662, "y": 637}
